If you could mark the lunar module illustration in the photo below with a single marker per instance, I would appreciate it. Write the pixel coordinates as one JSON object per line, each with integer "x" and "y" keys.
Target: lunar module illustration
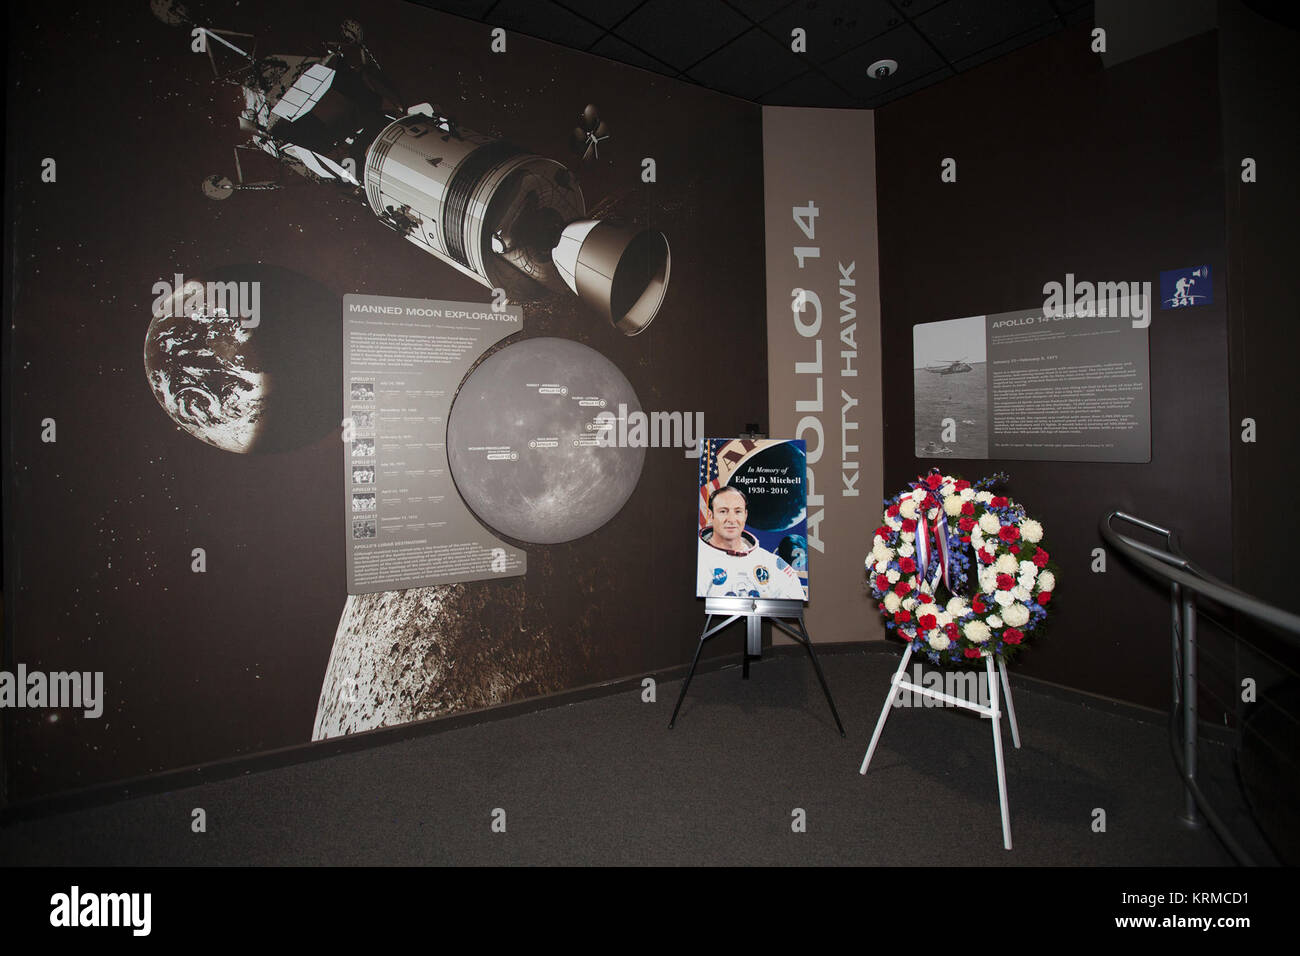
{"x": 507, "y": 218}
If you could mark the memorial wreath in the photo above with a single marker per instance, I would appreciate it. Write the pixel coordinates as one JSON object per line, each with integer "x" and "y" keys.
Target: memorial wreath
{"x": 944, "y": 530}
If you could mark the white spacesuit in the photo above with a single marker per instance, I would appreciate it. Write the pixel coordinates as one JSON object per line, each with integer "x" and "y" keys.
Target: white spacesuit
{"x": 756, "y": 572}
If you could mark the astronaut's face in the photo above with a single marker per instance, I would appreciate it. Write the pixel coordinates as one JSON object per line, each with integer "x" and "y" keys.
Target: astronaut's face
{"x": 728, "y": 519}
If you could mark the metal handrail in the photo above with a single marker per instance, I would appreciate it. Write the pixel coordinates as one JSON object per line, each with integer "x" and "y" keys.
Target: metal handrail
{"x": 1174, "y": 566}
{"x": 1183, "y": 572}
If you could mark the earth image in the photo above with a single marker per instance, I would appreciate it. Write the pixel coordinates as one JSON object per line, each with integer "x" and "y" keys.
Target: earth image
{"x": 270, "y": 386}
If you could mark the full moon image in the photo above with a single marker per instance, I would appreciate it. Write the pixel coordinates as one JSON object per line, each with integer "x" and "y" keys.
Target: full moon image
{"x": 271, "y": 386}
{"x": 525, "y": 450}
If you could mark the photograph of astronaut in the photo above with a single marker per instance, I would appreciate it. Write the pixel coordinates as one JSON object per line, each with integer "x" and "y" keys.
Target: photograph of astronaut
{"x": 753, "y": 519}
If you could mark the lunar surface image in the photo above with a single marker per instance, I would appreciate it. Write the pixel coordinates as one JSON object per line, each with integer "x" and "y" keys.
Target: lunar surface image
{"x": 522, "y": 441}
{"x": 409, "y": 655}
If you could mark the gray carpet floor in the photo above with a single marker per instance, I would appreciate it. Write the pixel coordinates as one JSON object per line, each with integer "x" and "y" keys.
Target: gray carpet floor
{"x": 603, "y": 781}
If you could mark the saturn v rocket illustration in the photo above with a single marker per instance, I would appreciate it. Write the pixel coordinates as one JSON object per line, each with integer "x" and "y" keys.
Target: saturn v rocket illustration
{"x": 505, "y": 217}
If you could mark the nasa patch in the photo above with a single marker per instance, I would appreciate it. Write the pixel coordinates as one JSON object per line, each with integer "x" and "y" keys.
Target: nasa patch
{"x": 760, "y": 572}
{"x": 719, "y": 575}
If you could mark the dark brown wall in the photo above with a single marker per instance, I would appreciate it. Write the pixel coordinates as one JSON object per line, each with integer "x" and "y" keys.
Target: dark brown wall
{"x": 1111, "y": 175}
{"x": 1261, "y": 120}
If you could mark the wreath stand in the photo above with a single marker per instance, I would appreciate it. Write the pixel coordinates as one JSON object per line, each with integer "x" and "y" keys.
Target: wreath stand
{"x": 753, "y": 610}
{"x": 900, "y": 682}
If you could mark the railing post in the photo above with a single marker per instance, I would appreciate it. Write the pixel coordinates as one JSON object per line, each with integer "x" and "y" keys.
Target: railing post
{"x": 1175, "y": 600}
{"x": 1190, "y": 817}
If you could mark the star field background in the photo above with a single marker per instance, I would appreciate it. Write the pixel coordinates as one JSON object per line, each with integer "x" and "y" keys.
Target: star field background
{"x": 101, "y": 523}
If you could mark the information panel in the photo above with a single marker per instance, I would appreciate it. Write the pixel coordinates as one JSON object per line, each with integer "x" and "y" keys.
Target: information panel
{"x": 1033, "y": 385}
{"x": 403, "y": 360}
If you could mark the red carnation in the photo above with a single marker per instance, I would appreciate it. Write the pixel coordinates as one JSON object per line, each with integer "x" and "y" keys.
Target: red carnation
{"x": 909, "y": 524}
{"x": 1040, "y": 557}
{"x": 998, "y": 502}
{"x": 1012, "y": 636}
{"x": 1006, "y": 582}
{"x": 884, "y": 531}
{"x": 951, "y": 630}
{"x": 966, "y": 524}
{"x": 902, "y": 589}
{"x": 968, "y": 508}
{"x": 1009, "y": 533}
{"x": 977, "y": 606}
{"x": 1045, "y": 597}
{"x": 892, "y": 511}
{"x": 989, "y": 556}
{"x": 925, "y": 598}
{"x": 906, "y": 565}
{"x": 882, "y": 583}
{"x": 933, "y": 481}
{"x": 972, "y": 652}
{"x": 902, "y": 617}
{"x": 961, "y": 484}
{"x": 965, "y": 539}
{"x": 927, "y": 621}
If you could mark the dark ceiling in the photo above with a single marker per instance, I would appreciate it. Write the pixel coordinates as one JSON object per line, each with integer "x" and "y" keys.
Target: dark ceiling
{"x": 743, "y": 47}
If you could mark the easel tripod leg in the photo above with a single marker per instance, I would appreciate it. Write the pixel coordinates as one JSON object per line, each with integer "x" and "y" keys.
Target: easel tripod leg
{"x": 690, "y": 673}
{"x": 997, "y": 753}
{"x": 884, "y": 711}
{"x": 807, "y": 643}
{"x": 1011, "y": 707}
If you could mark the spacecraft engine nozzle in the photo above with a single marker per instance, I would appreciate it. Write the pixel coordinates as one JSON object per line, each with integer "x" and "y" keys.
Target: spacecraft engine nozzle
{"x": 620, "y": 271}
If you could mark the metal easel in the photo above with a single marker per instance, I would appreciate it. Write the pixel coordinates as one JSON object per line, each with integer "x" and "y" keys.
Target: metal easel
{"x": 753, "y": 610}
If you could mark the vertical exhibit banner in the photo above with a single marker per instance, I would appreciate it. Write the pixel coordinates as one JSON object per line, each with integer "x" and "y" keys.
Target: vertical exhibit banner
{"x": 403, "y": 360}
{"x": 823, "y": 342}
{"x": 753, "y": 519}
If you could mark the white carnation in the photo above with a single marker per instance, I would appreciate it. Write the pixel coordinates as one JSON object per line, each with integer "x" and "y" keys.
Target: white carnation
{"x": 908, "y": 536}
{"x": 892, "y": 602}
{"x": 891, "y": 576}
{"x": 943, "y": 618}
{"x": 894, "y": 521}
{"x": 1006, "y": 564}
{"x": 1046, "y": 581}
{"x": 909, "y": 603}
{"x": 993, "y": 620}
{"x": 918, "y": 494}
{"x": 984, "y": 497}
{"x": 905, "y": 550}
{"x": 957, "y": 607}
{"x": 1004, "y": 598}
{"x": 908, "y": 508}
{"x": 1028, "y": 568}
{"x": 938, "y": 640}
{"x": 989, "y": 523}
{"x": 988, "y": 579}
{"x": 1020, "y": 592}
{"x": 1017, "y": 615}
{"x": 1026, "y": 580}
{"x": 977, "y": 631}
{"x": 881, "y": 566}
{"x": 952, "y": 506}
{"x": 1031, "y": 531}
{"x": 968, "y": 494}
